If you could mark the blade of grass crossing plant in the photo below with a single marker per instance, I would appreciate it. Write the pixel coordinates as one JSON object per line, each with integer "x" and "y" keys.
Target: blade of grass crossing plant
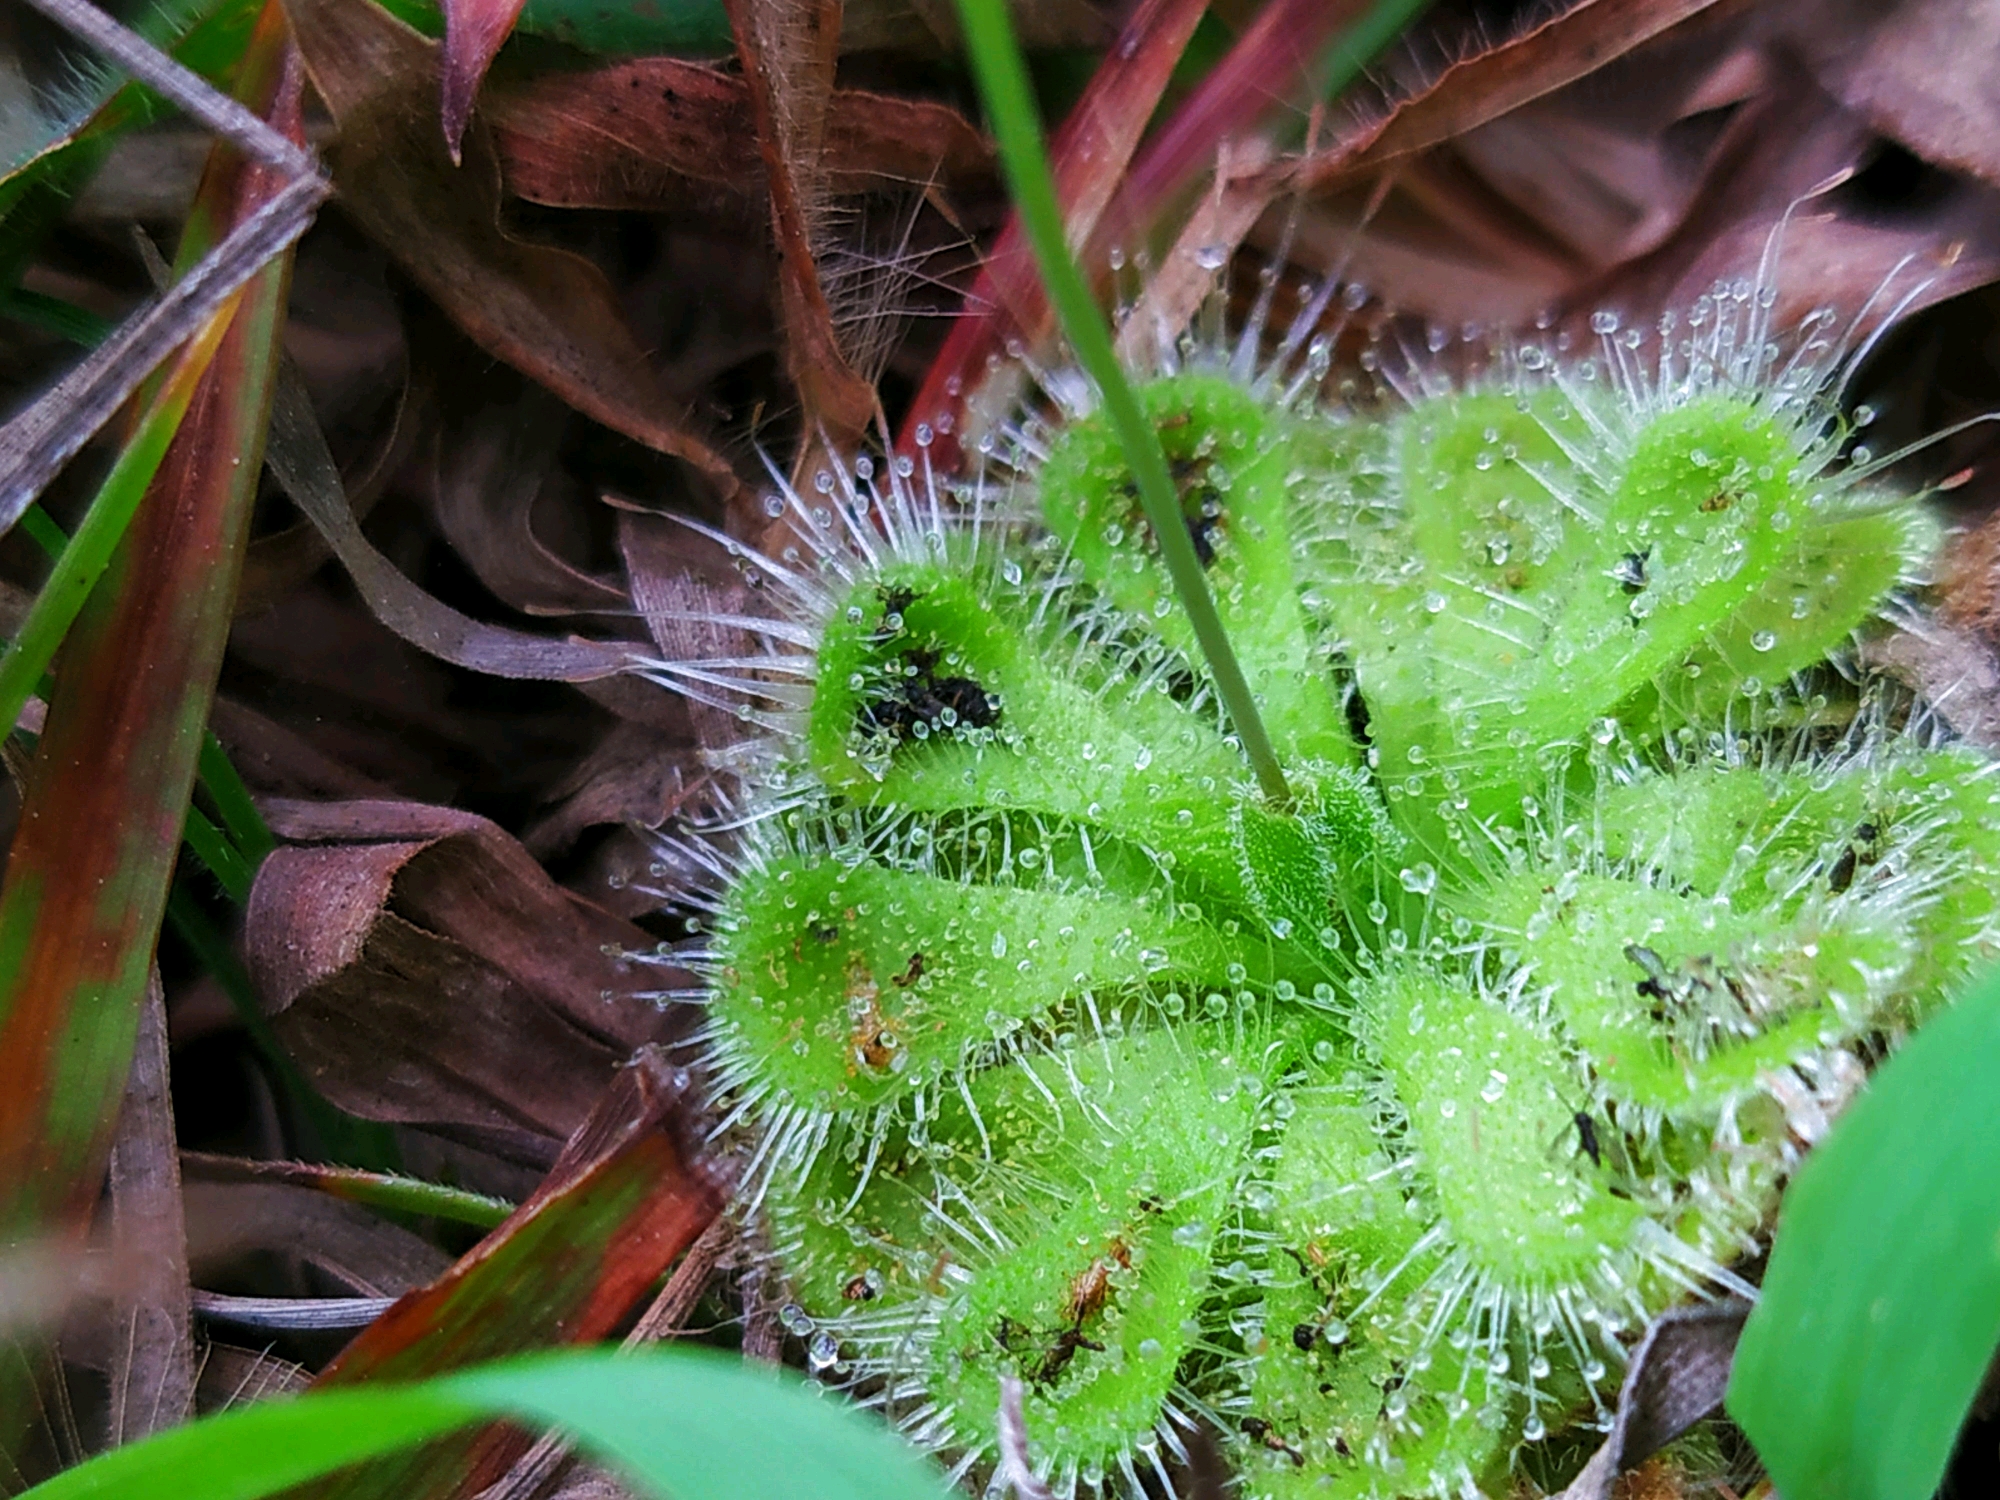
{"x": 1092, "y": 151}
{"x": 1881, "y": 1306}
{"x": 107, "y": 793}
{"x": 1003, "y": 86}
{"x": 683, "y": 1423}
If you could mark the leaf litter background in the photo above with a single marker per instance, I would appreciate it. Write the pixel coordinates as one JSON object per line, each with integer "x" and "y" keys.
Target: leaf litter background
{"x": 605, "y": 274}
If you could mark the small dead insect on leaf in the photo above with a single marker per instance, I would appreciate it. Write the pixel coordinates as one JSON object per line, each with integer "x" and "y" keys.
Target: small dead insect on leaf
{"x": 1091, "y": 1288}
{"x": 1258, "y": 1430}
{"x": 1859, "y": 850}
{"x": 1629, "y": 572}
{"x": 1586, "y": 1137}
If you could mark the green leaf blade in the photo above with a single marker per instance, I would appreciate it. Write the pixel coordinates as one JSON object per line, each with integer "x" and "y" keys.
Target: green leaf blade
{"x": 693, "y": 1425}
{"x": 1881, "y": 1307}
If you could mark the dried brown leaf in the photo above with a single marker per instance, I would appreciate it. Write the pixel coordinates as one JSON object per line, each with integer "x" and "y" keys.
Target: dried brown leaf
{"x": 424, "y": 969}
{"x": 634, "y": 134}
{"x": 1920, "y": 71}
{"x": 232, "y": 1222}
{"x": 635, "y": 776}
{"x": 152, "y": 1342}
{"x": 279, "y": 562}
{"x": 1637, "y": 187}
{"x": 305, "y": 469}
{"x": 1791, "y": 155}
{"x": 548, "y": 313}
{"x": 1568, "y": 46}
{"x": 495, "y": 457}
{"x": 789, "y": 49}
{"x": 1677, "y": 1376}
{"x": 1953, "y": 670}
{"x": 275, "y": 760}
{"x": 682, "y": 585}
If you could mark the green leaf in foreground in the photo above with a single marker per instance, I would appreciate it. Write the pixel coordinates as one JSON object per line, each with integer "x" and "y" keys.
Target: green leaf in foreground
{"x": 1881, "y": 1307}
{"x": 686, "y": 1423}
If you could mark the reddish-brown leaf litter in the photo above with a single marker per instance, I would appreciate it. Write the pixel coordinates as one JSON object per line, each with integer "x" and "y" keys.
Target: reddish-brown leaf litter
{"x": 562, "y": 304}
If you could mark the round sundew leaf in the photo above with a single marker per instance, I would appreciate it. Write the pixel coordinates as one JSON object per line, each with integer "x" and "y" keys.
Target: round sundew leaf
{"x": 1881, "y": 1304}
{"x": 925, "y": 657}
{"x": 858, "y": 1234}
{"x": 1680, "y": 1004}
{"x": 1494, "y": 501}
{"x": 1591, "y": 588}
{"x": 930, "y": 696}
{"x": 1108, "y": 1175}
{"x": 1775, "y": 832}
{"x": 1346, "y": 1417}
{"x": 1337, "y": 1204}
{"x": 1910, "y": 832}
{"x": 1960, "y": 933}
{"x": 845, "y": 985}
{"x": 1232, "y": 459}
{"x": 1487, "y": 1097}
{"x": 1834, "y": 578}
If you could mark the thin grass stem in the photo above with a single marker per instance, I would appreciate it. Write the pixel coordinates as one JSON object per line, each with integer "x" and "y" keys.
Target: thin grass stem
{"x": 1003, "y": 86}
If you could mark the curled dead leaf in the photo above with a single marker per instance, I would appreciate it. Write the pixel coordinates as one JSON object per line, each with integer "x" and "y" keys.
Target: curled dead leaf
{"x": 1677, "y": 1376}
{"x": 424, "y": 969}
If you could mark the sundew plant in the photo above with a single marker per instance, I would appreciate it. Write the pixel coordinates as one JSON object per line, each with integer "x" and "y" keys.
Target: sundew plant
{"x": 1370, "y": 1121}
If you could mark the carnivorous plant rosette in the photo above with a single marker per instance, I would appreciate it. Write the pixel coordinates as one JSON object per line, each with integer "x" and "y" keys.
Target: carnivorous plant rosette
{"x": 1370, "y": 1126}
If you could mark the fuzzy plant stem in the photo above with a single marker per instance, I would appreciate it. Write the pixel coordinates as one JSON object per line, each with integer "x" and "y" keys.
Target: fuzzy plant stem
{"x": 1003, "y": 86}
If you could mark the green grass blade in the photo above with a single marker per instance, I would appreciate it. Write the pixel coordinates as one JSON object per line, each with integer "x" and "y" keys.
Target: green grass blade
{"x": 689, "y": 1424}
{"x": 53, "y": 315}
{"x": 1881, "y": 1306}
{"x": 391, "y": 1191}
{"x": 1003, "y": 85}
{"x": 88, "y": 554}
{"x": 214, "y": 850}
{"x": 1356, "y": 47}
{"x": 234, "y": 804}
{"x": 262, "y": 1449}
